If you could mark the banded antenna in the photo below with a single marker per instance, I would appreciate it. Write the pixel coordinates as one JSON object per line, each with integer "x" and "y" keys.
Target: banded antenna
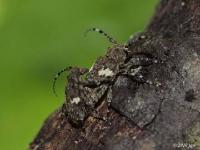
{"x": 56, "y": 78}
{"x": 103, "y": 33}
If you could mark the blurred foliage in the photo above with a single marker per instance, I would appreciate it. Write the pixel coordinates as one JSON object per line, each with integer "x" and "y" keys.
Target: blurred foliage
{"x": 40, "y": 37}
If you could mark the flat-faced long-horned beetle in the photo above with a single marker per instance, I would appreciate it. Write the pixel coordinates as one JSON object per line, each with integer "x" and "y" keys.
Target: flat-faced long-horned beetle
{"x": 86, "y": 87}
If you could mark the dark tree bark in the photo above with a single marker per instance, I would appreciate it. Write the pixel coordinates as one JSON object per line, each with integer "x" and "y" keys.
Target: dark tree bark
{"x": 173, "y": 36}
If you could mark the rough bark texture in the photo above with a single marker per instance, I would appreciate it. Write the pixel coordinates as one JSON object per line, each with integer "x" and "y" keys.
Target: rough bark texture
{"x": 173, "y": 36}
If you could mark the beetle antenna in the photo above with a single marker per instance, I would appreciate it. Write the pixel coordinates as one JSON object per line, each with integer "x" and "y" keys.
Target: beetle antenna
{"x": 56, "y": 78}
{"x": 103, "y": 33}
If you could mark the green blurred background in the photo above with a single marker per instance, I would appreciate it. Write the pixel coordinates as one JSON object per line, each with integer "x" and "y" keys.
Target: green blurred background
{"x": 39, "y": 38}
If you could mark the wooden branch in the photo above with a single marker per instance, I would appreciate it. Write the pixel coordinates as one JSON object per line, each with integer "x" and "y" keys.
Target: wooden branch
{"x": 173, "y": 36}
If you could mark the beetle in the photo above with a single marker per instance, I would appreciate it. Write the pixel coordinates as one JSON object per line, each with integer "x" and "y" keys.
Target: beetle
{"x": 86, "y": 87}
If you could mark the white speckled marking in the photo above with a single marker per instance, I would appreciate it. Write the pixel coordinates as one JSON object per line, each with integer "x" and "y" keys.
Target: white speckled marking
{"x": 97, "y": 29}
{"x": 155, "y": 61}
{"x": 182, "y": 3}
{"x": 125, "y": 48}
{"x": 105, "y": 72}
{"x": 143, "y": 36}
{"x": 141, "y": 76}
{"x": 136, "y": 70}
{"x": 76, "y": 100}
{"x": 158, "y": 84}
{"x": 149, "y": 82}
